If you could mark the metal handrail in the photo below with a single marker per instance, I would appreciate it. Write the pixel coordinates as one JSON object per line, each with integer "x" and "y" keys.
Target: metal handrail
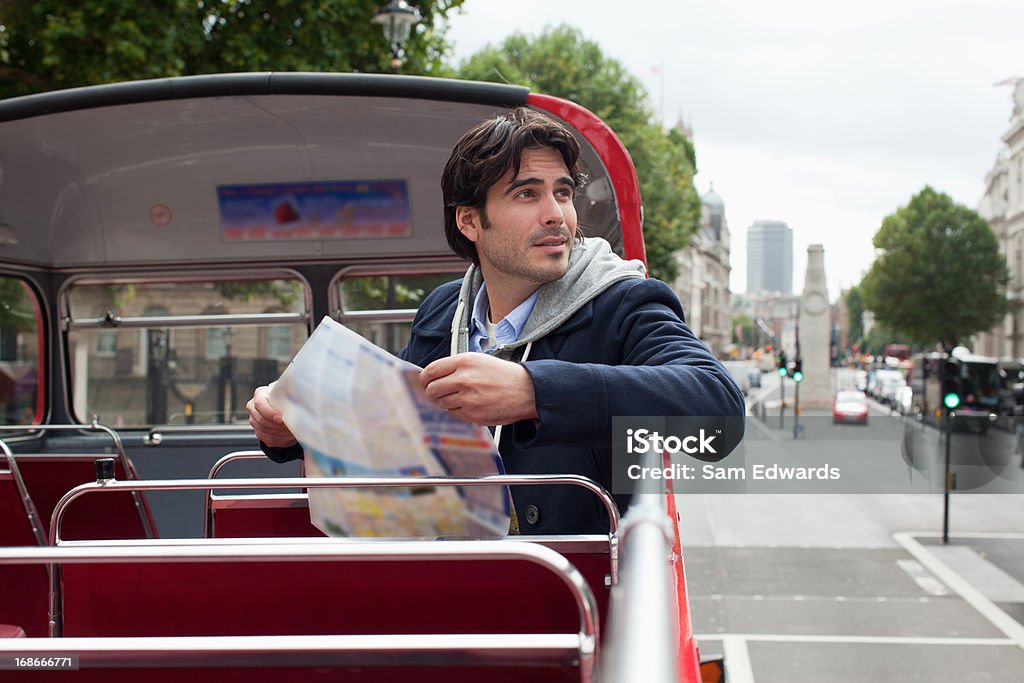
{"x": 26, "y": 500}
{"x": 231, "y": 457}
{"x": 212, "y": 320}
{"x": 610, "y": 506}
{"x": 214, "y": 471}
{"x": 644, "y": 629}
{"x": 505, "y": 649}
{"x": 56, "y": 520}
{"x": 203, "y": 551}
{"x": 95, "y": 426}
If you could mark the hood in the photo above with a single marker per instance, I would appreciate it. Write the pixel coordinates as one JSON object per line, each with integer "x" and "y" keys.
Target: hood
{"x": 593, "y": 267}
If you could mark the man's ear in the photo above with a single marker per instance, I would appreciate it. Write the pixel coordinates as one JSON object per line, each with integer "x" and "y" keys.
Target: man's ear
{"x": 467, "y": 219}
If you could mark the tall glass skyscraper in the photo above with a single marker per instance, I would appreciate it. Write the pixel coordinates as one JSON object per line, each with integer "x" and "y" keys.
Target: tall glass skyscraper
{"x": 769, "y": 257}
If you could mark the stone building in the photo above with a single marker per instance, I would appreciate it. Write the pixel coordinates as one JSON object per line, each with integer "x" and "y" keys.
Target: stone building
{"x": 1003, "y": 206}
{"x": 703, "y": 281}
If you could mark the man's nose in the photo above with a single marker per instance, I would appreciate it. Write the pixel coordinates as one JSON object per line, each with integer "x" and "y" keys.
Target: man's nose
{"x": 551, "y": 211}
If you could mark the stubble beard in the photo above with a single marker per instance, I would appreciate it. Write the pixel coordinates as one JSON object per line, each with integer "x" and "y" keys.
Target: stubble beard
{"x": 507, "y": 262}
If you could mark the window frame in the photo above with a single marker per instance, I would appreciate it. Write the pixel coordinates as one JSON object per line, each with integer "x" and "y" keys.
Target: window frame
{"x": 42, "y": 319}
{"x": 69, "y": 324}
{"x": 455, "y": 267}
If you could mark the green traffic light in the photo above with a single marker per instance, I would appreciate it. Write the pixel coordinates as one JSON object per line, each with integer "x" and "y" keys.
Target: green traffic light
{"x": 782, "y": 372}
{"x": 951, "y": 400}
{"x": 798, "y": 376}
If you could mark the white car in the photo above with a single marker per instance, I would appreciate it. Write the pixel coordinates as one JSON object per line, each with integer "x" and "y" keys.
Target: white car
{"x": 741, "y": 372}
{"x": 889, "y": 387}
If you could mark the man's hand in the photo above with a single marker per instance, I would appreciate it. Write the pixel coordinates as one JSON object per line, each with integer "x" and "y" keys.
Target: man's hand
{"x": 481, "y": 389}
{"x": 267, "y": 421}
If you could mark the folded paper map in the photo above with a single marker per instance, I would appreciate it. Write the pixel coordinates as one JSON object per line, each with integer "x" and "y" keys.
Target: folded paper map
{"x": 361, "y": 412}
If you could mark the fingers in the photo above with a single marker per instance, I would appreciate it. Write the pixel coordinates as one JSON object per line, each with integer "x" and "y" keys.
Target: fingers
{"x": 438, "y": 369}
{"x": 267, "y": 421}
{"x": 481, "y": 389}
{"x": 260, "y": 402}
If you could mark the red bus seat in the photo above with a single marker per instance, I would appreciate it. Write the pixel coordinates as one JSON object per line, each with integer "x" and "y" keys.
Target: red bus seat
{"x": 256, "y": 516}
{"x": 23, "y": 588}
{"x": 49, "y": 476}
{"x": 362, "y": 597}
{"x": 10, "y": 631}
{"x": 297, "y": 598}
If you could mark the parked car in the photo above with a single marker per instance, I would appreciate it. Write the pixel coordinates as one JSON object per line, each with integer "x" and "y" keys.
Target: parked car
{"x": 742, "y": 372}
{"x": 861, "y": 380}
{"x": 880, "y": 380}
{"x": 850, "y": 406}
{"x": 889, "y": 389}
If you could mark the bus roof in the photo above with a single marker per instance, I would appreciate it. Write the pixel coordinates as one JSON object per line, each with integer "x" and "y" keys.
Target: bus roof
{"x": 147, "y": 172}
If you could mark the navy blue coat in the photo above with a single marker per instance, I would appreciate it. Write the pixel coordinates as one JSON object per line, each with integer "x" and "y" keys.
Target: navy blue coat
{"x": 627, "y": 352}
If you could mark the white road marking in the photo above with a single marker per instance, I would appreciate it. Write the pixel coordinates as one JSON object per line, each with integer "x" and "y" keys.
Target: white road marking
{"x": 974, "y": 597}
{"x": 870, "y": 640}
{"x": 737, "y": 659}
{"x": 928, "y": 583}
{"x": 718, "y": 597}
{"x": 993, "y": 582}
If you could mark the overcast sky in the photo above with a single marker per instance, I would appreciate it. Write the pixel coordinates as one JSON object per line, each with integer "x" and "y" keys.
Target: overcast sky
{"x": 827, "y": 116}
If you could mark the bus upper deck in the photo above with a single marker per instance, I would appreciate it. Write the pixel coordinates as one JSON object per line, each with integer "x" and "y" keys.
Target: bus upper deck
{"x": 166, "y": 246}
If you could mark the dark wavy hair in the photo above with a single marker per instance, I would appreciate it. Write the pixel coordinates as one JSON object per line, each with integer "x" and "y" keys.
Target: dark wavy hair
{"x": 485, "y": 154}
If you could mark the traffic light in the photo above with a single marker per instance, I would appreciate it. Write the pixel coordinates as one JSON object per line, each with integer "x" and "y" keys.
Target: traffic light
{"x": 798, "y": 370}
{"x": 951, "y": 384}
{"x": 783, "y": 370}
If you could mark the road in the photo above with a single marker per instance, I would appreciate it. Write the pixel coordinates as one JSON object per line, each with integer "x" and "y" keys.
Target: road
{"x": 857, "y": 585}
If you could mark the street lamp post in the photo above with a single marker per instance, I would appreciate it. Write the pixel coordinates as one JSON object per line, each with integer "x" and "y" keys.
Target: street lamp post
{"x": 397, "y": 19}
{"x": 226, "y": 386}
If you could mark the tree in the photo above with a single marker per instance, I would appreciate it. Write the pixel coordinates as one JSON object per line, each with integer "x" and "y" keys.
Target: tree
{"x": 747, "y": 336}
{"x": 561, "y": 62}
{"x": 855, "y": 313}
{"x": 52, "y": 44}
{"x": 938, "y": 276}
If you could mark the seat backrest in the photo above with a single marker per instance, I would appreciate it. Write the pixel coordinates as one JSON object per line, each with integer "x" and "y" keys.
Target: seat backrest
{"x": 23, "y": 588}
{"x": 49, "y": 476}
{"x": 261, "y": 515}
{"x": 322, "y": 597}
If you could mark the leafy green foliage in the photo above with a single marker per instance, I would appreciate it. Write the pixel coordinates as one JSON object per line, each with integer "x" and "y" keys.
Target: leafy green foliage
{"x": 17, "y": 309}
{"x": 855, "y": 314}
{"x": 881, "y": 336}
{"x": 53, "y": 44}
{"x": 379, "y": 292}
{"x": 939, "y": 276}
{"x": 561, "y": 62}
{"x": 747, "y": 333}
{"x": 285, "y": 292}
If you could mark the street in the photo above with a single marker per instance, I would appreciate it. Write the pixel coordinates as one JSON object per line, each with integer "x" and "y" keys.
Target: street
{"x": 857, "y": 585}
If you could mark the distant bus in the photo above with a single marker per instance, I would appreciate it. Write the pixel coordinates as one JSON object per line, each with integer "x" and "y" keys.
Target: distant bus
{"x": 978, "y": 382}
{"x": 900, "y": 351}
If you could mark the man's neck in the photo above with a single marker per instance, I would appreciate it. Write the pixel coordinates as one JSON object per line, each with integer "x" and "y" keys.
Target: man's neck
{"x": 504, "y": 297}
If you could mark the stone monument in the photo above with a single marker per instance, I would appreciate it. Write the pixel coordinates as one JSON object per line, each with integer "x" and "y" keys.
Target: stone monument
{"x": 815, "y": 333}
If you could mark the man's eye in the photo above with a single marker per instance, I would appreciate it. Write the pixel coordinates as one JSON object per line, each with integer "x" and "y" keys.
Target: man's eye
{"x": 525, "y": 193}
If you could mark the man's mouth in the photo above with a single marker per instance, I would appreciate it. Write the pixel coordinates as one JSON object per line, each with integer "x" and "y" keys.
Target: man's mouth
{"x": 552, "y": 244}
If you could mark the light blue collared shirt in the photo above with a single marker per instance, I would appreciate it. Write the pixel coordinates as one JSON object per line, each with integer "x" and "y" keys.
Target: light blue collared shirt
{"x": 506, "y": 330}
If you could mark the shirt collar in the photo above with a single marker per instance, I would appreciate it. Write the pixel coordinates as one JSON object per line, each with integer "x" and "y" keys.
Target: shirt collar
{"x": 512, "y": 323}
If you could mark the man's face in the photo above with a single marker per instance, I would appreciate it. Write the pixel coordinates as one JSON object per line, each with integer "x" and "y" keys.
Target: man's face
{"x": 525, "y": 232}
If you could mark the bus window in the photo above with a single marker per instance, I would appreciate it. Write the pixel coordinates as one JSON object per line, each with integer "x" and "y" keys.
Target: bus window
{"x": 381, "y": 306}
{"x": 21, "y": 401}
{"x": 180, "y": 351}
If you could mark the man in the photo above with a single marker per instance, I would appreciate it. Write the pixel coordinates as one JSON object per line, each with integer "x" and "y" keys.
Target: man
{"x": 568, "y": 334}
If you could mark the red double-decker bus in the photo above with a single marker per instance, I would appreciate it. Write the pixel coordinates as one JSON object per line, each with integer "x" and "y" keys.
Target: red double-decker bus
{"x": 154, "y": 269}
